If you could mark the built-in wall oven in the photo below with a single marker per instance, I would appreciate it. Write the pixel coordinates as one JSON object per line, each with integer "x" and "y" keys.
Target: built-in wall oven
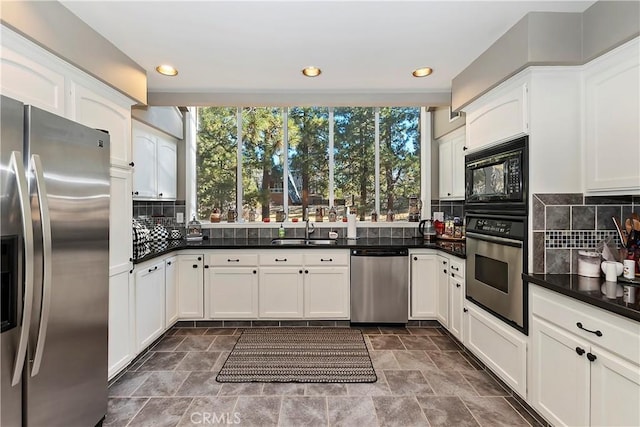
{"x": 496, "y": 204}
{"x": 496, "y": 259}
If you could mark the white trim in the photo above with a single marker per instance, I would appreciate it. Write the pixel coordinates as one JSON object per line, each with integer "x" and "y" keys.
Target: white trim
{"x": 331, "y": 159}
{"x": 425, "y": 162}
{"x": 239, "y": 164}
{"x": 285, "y": 166}
{"x": 376, "y": 178}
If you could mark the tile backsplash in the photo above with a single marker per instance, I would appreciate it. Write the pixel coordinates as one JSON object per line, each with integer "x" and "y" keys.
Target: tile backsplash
{"x": 565, "y": 223}
{"x": 165, "y": 212}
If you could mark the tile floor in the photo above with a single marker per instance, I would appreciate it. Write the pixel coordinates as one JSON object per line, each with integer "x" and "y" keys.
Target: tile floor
{"x": 424, "y": 379}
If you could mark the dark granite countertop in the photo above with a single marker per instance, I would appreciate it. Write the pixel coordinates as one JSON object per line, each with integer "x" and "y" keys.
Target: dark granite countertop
{"x": 587, "y": 289}
{"x": 152, "y": 250}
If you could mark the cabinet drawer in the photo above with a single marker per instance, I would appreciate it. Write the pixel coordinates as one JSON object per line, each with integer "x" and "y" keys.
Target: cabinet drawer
{"x": 280, "y": 258}
{"x": 616, "y": 334}
{"x": 232, "y": 259}
{"x": 326, "y": 258}
{"x": 457, "y": 267}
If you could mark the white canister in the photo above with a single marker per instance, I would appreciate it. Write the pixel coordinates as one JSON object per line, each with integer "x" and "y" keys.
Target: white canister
{"x": 588, "y": 264}
{"x": 629, "y": 268}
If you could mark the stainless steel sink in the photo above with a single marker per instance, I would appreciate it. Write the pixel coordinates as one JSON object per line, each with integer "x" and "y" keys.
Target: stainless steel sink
{"x": 304, "y": 242}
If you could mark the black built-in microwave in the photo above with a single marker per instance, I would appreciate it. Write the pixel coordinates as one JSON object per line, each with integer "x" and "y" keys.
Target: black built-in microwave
{"x": 496, "y": 178}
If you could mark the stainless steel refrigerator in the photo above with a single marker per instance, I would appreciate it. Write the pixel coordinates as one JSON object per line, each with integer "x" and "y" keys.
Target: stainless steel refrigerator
{"x": 54, "y": 213}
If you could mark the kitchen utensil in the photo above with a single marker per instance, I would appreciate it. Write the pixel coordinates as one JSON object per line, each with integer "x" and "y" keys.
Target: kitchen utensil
{"x": 621, "y": 234}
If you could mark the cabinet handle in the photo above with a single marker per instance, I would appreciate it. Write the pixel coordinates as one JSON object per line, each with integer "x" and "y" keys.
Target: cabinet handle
{"x": 453, "y": 275}
{"x": 326, "y": 260}
{"x": 444, "y": 271}
{"x": 457, "y": 285}
{"x": 132, "y": 164}
{"x": 135, "y": 193}
{"x": 206, "y": 266}
{"x": 596, "y": 332}
{"x": 448, "y": 194}
{"x": 444, "y": 262}
{"x": 465, "y": 310}
{"x": 455, "y": 268}
{"x": 130, "y": 259}
{"x": 281, "y": 260}
{"x": 591, "y": 357}
{"x": 233, "y": 260}
{"x": 199, "y": 258}
{"x": 255, "y": 272}
{"x": 153, "y": 269}
{"x": 195, "y": 265}
{"x": 580, "y": 351}
{"x": 130, "y": 271}
{"x": 306, "y": 272}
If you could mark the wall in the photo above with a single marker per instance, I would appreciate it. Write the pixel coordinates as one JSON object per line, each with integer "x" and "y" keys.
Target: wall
{"x": 442, "y": 124}
{"x": 166, "y": 119}
{"x": 55, "y": 28}
{"x": 547, "y": 38}
{"x": 565, "y": 223}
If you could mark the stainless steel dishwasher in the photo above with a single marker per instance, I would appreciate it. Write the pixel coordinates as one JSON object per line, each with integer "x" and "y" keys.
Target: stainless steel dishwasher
{"x": 379, "y": 285}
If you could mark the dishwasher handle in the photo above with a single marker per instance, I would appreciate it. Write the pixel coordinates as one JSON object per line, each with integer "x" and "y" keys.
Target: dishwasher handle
{"x": 380, "y": 252}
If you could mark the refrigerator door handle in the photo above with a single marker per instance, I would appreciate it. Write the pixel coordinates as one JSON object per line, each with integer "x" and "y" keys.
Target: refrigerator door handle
{"x": 36, "y": 166}
{"x": 27, "y": 230}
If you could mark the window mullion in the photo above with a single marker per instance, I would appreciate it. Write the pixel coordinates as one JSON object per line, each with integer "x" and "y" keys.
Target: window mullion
{"x": 331, "y": 160}
{"x": 377, "y": 158}
{"x": 285, "y": 167}
{"x": 239, "y": 195}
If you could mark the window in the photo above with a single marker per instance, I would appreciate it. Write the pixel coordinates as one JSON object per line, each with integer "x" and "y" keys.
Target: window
{"x": 361, "y": 157}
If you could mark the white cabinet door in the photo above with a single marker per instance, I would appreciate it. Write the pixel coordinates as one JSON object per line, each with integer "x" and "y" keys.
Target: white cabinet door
{"x": 281, "y": 292}
{"x": 458, "y": 151}
{"x": 167, "y": 168}
{"x": 31, "y": 75}
{"x": 612, "y": 128}
{"x": 456, "y": 304}
{"x": 150, "y": 295}
{"x": 442, "y": 291}
{"x": 190, "y": 287}
{"x": 424, "y": 282}
{"x": 232, "y": 292}
{"x": 499, "y": 115}
{"x": 445, "y": 165}
{"x": 615, "y": 390}
{"x": 120, "y": 216}
{"x": 171, "y": 291}
{"x": 326, "y": 293}
{"x": 559, "y": 375}
{"x": 93, "y": 108}
{"x": 145, "y": 161}
{"x": 121, "y": 322}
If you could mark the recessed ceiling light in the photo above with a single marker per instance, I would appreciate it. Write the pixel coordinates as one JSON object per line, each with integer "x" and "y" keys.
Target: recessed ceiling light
{"x": 167, "y": 70}
{"x": 311, "y": 71}
{"x": 422, "y": 72}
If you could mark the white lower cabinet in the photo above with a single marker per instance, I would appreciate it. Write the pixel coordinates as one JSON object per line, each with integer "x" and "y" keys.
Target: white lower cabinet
{"x": 190, "y": 286}
{"x": 424, "y": 267}
{"x": 121, "y": 322}
{"x": 326, "y": 293}
{"x": 281, "y": 292}
{"x": 497, "y": 345}
{"x": 579, "y": 377}
{"x": 171, "y": 291}
{"x": 456, "y": 307}
{"x": 232, "y": 292}
{"x": 150, "y": 304}
{"x": 442, "y": 291}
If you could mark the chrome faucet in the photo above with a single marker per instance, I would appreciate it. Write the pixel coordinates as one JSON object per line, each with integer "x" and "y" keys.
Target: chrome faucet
{"x": 308, "y": 232}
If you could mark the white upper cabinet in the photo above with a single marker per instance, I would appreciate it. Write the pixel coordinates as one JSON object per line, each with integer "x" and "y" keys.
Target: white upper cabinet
{"x": 612, "y": 124}
{"x": 451, "y": 162}
{"x": 155, "y": 160}
{"x": 499, "y": 115}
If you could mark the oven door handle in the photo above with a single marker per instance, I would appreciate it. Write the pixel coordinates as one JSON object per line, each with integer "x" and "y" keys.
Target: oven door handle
{"x": 494, "y": 239}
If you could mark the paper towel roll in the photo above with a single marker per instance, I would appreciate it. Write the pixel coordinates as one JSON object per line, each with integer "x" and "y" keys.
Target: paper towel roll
{"x": 351, "y": 226}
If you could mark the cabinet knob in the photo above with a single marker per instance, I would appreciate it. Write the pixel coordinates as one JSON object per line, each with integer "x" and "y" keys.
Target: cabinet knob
{"x": 591, "y": 357}
{"x": 199, "y": 258}
{"x": 415, "y": 258}
{"x": 464, "y": 310}
{"x": 452, "y": 274}
{"x": 168, "y": 262}
{"x": 444, "y": 262}
{"x": 130, "y": 259}
{"x": 306, "y": 272}
{"x": 457, "y": 285}
{"x": 130, "y": 271}
{"x": 464, "y": 148}
{"x": 195, "y": 265}
{"x": 281, "y": 260}
{"x": 448, "y": 194}
{"x": 580, "y": 351}
{"x": 206, "y": 266}
{"x": 300, "y": 271}
{"x": 255, "y": 272}
{"x": 444, "y": 271}
{"x": 132, "y": 164}
{"x": 135, "y": 193}
{"x": 160, "y": 194}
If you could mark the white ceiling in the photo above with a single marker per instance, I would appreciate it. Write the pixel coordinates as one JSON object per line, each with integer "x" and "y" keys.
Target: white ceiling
{"x": 261, "y": 46}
